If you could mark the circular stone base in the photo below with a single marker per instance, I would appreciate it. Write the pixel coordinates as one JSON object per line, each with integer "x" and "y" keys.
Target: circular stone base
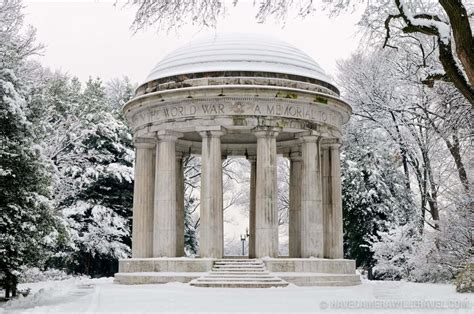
{"x": 298, "y": 271}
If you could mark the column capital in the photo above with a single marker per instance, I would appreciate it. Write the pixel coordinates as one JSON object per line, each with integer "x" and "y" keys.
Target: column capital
{"x": 309, "y": 136}
{"x": 331, "y": 143}
{"x": 266, "y": 131}
{"x": 211, "y": 131}
{"x": 144, "y": 142}
{"x": 168, "y": 135}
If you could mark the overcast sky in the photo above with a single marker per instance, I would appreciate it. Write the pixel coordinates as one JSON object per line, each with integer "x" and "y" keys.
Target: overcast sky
{"x": 92, "y": 38}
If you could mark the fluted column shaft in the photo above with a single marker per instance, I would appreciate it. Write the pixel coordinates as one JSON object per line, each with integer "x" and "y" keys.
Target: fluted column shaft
{"x": 143, "y": 198}
{"x": 332, "y": 201}
{"x": 296, "y": 165}
{"x": 312, "y": 241}
{"x": 179, "y": 205}
{"x": 337, "y": 245}
{"x": 327, "y": 198}
{"x": 164, "y": 233}
{"x": 252, "y": 211}
{"x": 266, "y": 219}
{"x": 211, "y": 242}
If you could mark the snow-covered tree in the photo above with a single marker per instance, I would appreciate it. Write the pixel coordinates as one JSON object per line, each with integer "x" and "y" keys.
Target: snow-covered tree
{"x": 436, "y": 256}
{"x": 192, "y": 174}
{"x": 427, "y": 131}
{"x": 26, "y": 217}
{"x": 384, "y": 92}
{"x": 394, "y": 250}
{"x": 83, "y": 134}
{"x": 374, "y": 193}
{"x": 119, "y": 91}
{"x": 100, "y": 172}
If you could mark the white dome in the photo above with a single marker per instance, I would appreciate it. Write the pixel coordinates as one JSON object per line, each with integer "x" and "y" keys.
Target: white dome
{"x": 238, "y": 52}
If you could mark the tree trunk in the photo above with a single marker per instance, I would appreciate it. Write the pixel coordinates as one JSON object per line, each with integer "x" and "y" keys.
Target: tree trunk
{"x": 14, "y": 286}
{"x": 463, "y": 40}
{"x": 89, "y": 263}
{"x": 433, "y": 193}
{"x": 421, "y": 178}
{"x": 453, "y": 71}
{"x": 454, "y": 149}
{"x": 403, "y": 151}
{"x": 7, "y": 285}
{"x": 462, "y": 35}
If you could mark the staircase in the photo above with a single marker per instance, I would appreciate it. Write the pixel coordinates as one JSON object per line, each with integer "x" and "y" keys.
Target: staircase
{"x": 238, "y": 273}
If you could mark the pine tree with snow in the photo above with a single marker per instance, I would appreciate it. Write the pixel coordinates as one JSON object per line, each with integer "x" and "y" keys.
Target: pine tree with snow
{"x": 393, "y": 251}
{"x": 26, "y": 217}
{"x": 374, "y": 194}
{"x": 98, "y": 212}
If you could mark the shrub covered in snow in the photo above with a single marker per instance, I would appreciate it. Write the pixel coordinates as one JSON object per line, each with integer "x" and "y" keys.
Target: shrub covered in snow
{"x": 34, "y": 274}
{"x": 435, "y": 256}
{"x": 465, "y": 279}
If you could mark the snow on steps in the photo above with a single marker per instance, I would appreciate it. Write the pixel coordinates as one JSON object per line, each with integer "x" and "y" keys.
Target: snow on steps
{"x": 237, "y": 273}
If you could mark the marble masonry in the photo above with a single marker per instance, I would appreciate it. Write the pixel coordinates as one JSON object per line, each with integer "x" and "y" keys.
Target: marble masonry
{"x": 238, "y": 95}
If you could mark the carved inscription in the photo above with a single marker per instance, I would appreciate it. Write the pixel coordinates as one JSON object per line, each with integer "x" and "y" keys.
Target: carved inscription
{"x": 184, "y": 110}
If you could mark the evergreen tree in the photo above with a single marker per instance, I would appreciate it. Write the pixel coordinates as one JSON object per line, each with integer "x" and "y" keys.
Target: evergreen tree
{"x": 393, "y": 251}
{"x": 26, "y": 217}
{"x": 98, "y": 213}
{"x": 374, "y": 194}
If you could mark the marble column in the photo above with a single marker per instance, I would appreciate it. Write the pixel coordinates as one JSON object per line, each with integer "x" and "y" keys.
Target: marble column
{"x": 266, "y": 219}
{"x": 143, "y": 198}
{"x": 327, "y": 198}
{"x": 312, "y": 233}
{"x": 252, "y": 210}
{"x": 211, "y": 240}
{"x": 179, "y": 204}
{"x": 337, "y": 248}
{"x": 296, "y": 165}
{"x": 165, "y": 212}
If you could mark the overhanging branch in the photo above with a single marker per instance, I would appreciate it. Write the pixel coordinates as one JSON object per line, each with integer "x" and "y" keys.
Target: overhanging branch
{"x": 446, "y": 56}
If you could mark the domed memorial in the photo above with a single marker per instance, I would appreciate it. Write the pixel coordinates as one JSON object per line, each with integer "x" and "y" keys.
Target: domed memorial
{"x": 238, "y": 95}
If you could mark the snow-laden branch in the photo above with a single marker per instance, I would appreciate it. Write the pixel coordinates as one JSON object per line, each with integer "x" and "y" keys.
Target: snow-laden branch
{"x": 459, "y": 69}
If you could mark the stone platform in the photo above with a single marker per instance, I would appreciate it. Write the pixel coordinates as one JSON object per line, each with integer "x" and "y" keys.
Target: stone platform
{"x": 298, "y": 271}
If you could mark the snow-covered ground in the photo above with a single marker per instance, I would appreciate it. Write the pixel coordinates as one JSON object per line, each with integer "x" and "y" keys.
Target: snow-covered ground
{"x": 102, "y": 295}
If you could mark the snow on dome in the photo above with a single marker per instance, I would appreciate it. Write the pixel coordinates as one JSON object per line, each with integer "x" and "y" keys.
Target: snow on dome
{"x": 238, "y": 52}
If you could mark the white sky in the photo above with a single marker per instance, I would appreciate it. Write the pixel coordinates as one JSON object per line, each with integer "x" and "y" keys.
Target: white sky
{"x": 92, "y": 38}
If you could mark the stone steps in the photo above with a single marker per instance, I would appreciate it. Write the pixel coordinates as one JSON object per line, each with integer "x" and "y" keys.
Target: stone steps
{"x": 238, "y": 274}
{"x": 235, "y": 262}
{"x": 246, "y": 275}
{"x": 225, "y": 273}
{"x": 255, "y": 270}
{"x": 239, "y": 265}
{"x": 239, "y": 284}
{"x": 217, "y": 279}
